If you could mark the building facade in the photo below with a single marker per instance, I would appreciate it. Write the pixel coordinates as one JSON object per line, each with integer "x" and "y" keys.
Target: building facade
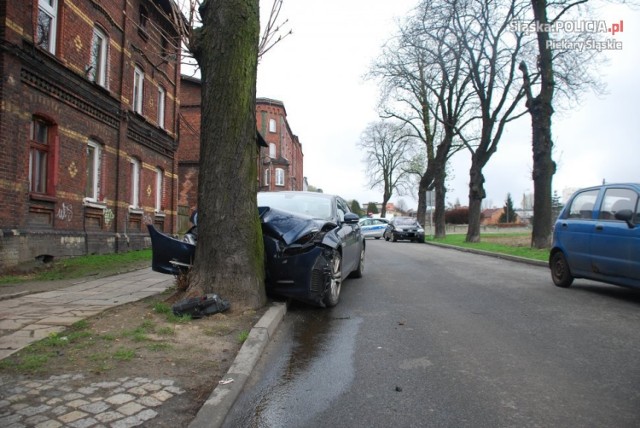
{"x": 280, "y": 160}
{"x": 281, "y": 163}
{"x": 88, "y": 126}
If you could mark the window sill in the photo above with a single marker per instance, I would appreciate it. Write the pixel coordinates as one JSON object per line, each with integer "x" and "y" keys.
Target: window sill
{"x": 135, "y": 210}
{"x": 160, "y": 214}
{"x": 94, "y": 204}
{"x": 42, "y": 197}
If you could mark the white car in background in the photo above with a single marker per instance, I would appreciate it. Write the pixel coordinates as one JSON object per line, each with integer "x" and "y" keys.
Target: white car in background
{"x": 373, "y": 227}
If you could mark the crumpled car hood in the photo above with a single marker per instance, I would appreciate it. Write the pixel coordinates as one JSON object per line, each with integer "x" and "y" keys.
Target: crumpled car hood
{"x": 287, "y": 226}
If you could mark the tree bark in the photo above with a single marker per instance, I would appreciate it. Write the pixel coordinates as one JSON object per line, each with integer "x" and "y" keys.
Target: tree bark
{"x": 229, "y": 256}
{"x": 541, "y": 110}
{"x": 476, "y": 195}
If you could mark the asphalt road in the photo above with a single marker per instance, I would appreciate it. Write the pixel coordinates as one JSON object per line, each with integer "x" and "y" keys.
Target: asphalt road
{"x": 433, "y": 337}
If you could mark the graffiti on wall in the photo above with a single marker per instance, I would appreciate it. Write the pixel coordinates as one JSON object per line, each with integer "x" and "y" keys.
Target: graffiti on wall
{"x": 108, "y": 216}
{"x": 65, "y": 212}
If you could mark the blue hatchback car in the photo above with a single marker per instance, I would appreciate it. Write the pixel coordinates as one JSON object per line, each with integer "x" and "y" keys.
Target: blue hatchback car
{"x": 597, "y": 236}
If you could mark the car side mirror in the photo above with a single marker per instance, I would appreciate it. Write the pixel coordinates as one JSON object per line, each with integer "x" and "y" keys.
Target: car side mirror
{"x": 626, "y": 216}
{"x": 351, "y": 218}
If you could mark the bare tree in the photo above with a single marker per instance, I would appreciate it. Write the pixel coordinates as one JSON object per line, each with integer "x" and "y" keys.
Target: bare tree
{"x": 423, "y": 87}
{"x": 388, "y": 149}
{"x": 573, "y": 74}
{"x": 492, "y": 53}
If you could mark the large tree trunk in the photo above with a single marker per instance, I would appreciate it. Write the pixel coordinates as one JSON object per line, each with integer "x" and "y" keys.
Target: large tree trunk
{"x": 229, "y": 256}
{"x": 541, "y": 110}
{"x": 476, "y": 195}
{"x": 439, "y": 213}
{"x": 423, "y": 187}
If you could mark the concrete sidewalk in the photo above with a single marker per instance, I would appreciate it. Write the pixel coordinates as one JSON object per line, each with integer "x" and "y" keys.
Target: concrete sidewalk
{"x": 65, "y": 400}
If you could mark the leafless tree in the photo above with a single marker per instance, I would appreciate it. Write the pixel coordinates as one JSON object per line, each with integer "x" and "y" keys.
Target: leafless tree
{"x": 563, "y": 71}
{"x": 388, "y": 150}
{"x": 492, "y": 54}
{"x": 424, "y": 87}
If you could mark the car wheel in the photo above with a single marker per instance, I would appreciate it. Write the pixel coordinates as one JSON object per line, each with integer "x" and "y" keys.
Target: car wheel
{"x": 560, "y": 273}
{"x": 358, "y": 272}
{"x": 332, "y": 295}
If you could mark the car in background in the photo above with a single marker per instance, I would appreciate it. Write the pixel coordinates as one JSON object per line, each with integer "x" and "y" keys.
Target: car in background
{"x": 597, "y": 236}
{"x": 404, "y": 228}
{"x": 373, "y": 227}
{"x": 312, "y": 244}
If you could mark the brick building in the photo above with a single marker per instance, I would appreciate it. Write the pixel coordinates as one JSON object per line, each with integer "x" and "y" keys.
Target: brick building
{"x": 88, "y": 126}
{"x": 280, "y": 162}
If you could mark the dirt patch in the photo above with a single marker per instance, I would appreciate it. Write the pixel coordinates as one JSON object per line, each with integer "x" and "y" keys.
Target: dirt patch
{"x": 142, "y": 339}
{"x": 511, "y": 241}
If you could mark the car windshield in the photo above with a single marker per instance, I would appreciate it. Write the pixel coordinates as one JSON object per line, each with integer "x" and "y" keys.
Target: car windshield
{"x": 300, "y": 203}
{"x": 405, "y": 221}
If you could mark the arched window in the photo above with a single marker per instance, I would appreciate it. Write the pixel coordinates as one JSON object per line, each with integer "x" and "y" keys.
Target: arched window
{"x": 159, "y": 189}
{"x": 94, "y": 170}
{"x": 98, "y": 65}
{"x": 42, "y": 141}
{"x": 135, "y": 183}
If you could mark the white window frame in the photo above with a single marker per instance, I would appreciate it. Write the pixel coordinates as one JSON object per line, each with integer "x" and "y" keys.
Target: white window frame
{"x": 94, "y": 159}
{"x": 99, "y": 58}
{"x": 279, "y": 177}
{"x": 49, "y": 8}
{"x": 135, "y": 183}
{"x": 161, "y": 103}
{"x": 159, "y": 186}
{"x": 272, "y": 150}
{"x": 138, "y": 89}
{"x": 267, "y": 176}
{"x": 272, "y": 126}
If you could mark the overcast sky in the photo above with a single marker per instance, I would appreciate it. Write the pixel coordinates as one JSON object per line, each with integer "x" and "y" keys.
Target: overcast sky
{"x": 318, "y": 74}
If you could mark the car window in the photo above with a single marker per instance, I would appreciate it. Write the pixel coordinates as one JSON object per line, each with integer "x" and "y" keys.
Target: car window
{"x": 366, "y": 222}
{"x": 317, "y": 207}
{"x": 342, "y": 209}
{"x": 582, "y": 205}
{"x": 616, "y": 200}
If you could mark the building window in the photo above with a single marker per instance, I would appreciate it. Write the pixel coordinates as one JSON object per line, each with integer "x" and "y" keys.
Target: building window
{"x": 279, "y": 177}
{"x": 99, "y": 57}
{"x": 272, "y": 125}
{"x": 161, "y": 97}
{"x": 267, "y": 177}
{"x": 94, "y": 160}
{"x": 144, "y": 17}
{"x": 138, "y": 87}
{"x": 41, "y": 157}
{"x": 46, "y": 26}
{"x": 159, "y": 185}
{"x": 135, "y": 183}
{"x": 272, "y": 150}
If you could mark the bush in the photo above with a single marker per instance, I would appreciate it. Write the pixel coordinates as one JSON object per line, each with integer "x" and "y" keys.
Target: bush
{"x": 457, "y": 216}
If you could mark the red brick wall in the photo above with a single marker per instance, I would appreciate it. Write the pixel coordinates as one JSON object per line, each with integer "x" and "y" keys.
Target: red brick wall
{"x": 56, "y": 87}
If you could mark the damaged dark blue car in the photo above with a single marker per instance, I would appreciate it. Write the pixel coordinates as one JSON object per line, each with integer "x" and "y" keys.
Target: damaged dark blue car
{"x": 312, "y": 244}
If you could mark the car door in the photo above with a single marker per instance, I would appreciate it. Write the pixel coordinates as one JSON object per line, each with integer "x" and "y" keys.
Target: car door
{"x": 615, "y": 247}
{"x": 574, "y": 230}
{"x": 348, "y": 233}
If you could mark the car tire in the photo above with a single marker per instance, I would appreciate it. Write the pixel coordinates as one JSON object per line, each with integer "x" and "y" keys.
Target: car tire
{"x": 332, "y": 295}
{"x": 560, "y": 272}
{"x": 360, "y": 269}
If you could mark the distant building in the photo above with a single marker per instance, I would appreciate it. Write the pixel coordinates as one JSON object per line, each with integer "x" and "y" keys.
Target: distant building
{"x": 280, "y": 161}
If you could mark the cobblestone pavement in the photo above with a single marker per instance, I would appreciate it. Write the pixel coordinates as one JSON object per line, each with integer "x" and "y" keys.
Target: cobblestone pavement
{"x": 66, "y": 400}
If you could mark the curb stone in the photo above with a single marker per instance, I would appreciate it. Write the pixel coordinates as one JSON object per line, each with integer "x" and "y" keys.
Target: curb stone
{"x": 214, "y": 411}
